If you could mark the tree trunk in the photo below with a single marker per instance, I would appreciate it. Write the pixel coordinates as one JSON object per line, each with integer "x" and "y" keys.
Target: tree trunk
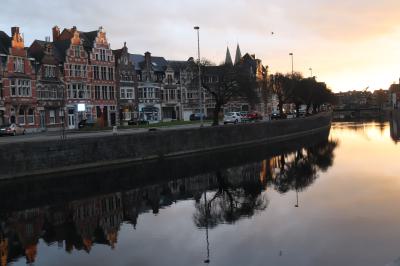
{"x": 297, "y": 109}
{"x": 216, "y": 111}
{"x": 280, "y": 106}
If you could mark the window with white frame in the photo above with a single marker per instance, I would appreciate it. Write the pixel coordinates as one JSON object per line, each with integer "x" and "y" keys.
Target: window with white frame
{"x": 21, "y": 88}
{"x": 103, "y": 55}
{"x": 61, "y": 115}
{"x": 127, "y": 93}
{"x": 110, "y": 73}
{"x": 31, "y": 116}
{"x": 19, "y": 64}
{"x": 96, "y": 74}
{"x": 78, "y": 91}
{"x": 103, "y": 73}
{"x": 97, "y": 92}
{"x": 21, "y": 116}
{"x": 49, "y": 71}
{"x": 52, "y": 117}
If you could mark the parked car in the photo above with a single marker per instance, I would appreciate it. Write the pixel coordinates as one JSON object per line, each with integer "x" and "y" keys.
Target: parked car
{"x": 85, "y": 123}
{"x": 232, "y": 117}
{"x": 197, "y": 116}
{"x": 291, "y": 115}
{"x": 138, "y": 122}
{"x": 12, "y": 130}
{"x": 277, "y": 116}
{"x": 253, "y": 116}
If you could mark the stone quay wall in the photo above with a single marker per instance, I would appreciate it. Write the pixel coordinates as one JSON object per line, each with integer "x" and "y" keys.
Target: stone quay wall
{"x": 40, "y": 158}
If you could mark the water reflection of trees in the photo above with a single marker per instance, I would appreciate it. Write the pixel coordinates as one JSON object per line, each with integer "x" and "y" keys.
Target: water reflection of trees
{"x": 240, "y": 189}
{"x": 232, "y": 200}
{"x": 299, "y": 169}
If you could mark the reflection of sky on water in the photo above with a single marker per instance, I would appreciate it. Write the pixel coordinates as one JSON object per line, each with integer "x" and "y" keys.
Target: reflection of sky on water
{"x": 348, "y": 216}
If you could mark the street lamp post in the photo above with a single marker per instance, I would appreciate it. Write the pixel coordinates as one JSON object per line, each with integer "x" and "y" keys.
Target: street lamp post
{"x": 291, "y": 54}
{"x": 310, "y": 72}
{"x": 197, "y": 28}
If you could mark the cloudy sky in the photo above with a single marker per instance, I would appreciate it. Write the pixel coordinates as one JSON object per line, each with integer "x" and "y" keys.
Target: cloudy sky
{"x": 350, "y": 44}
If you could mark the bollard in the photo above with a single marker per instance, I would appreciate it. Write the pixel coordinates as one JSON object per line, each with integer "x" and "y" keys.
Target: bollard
{"x": 115, "y": 130}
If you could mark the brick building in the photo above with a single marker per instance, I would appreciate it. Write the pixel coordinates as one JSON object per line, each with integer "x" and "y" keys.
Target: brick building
{"x": 18, "y": 102}
{"x": 102, "y": 76}
{"x": 50, "y": 89}
{"x": 125, "y": 76}
{"x": 71, "y": 53}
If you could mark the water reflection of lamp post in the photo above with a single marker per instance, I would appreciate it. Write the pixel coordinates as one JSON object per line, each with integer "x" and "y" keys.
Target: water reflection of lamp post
{"x": 208, "y": 243}
{"x": 297, "y": 199}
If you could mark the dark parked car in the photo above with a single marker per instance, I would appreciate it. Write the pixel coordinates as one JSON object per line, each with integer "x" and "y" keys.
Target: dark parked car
{"x": 277, "y": 116}
{"x": 197, "y": 116}
{"x": 138, "y": 122}
{"x": 85, "y": 123}
{"x": 12, "y": 130}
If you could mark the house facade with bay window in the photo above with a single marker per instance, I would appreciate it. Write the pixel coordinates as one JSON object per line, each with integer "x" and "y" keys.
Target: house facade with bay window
{"x": 150, "y": 75}
{"x": 126, "y": 86}
{"x": 50, "y": 89}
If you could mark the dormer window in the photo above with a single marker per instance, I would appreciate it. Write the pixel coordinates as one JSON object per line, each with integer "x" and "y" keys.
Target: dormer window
{"x": 19, "y": 64}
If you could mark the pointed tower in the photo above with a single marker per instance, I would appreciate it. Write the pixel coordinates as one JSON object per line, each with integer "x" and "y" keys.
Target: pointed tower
{"x": 228, "y": 58}
{"x": 238, "y": 55}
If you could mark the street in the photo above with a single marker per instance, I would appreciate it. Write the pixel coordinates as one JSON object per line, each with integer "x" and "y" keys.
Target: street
{"x": 56, "y": 135}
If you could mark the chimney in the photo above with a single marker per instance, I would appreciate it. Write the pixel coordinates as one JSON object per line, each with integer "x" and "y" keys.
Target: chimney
{"x": 147, "y": 59}
{"x": 56, "y": 33}
{"x": 14, "y": 30}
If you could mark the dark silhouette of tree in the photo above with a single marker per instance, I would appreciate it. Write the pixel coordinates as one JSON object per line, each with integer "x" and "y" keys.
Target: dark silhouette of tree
{"x": 294, "y": 89}
{"x": 225, "y": 83}
{"x": 298, "y": 170}
{"x": 230, "y": 202}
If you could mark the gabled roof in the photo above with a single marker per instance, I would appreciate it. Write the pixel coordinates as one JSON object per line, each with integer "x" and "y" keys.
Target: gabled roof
{"x": 60, "y": 49}
{"x": 37, "y": 50}
{"x": 88, "y": 39}
{"x": 5, "y": 43}
{"x": 177, "y": 65}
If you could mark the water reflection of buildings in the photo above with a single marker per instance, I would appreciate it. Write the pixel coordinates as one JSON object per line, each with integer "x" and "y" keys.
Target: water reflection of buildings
{"x": 81, "y": 224}
{"x": 394, "y": 127}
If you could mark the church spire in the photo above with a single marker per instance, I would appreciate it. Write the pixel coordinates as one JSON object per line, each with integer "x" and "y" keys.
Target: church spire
{"x": 238, "y": 55}
{"x": 228, "y": 58}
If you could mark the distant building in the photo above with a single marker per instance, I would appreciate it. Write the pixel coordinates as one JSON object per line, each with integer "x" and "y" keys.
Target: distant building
{"x": 394, "y": 94}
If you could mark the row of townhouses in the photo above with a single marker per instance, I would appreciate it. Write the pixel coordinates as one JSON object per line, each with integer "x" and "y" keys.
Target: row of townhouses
{"x": 77, "y": 76}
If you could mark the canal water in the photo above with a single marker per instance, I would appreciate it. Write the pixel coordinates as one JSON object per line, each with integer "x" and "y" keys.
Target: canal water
{"x": 330, "y": 201}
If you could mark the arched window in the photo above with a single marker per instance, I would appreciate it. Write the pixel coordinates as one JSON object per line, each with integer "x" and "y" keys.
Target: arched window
{"x": 21, "y": 116}
{"x": 31, "y": 116}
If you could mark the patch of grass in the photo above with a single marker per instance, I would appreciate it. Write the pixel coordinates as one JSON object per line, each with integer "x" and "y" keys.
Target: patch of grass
{"x": 159, "y": 124}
